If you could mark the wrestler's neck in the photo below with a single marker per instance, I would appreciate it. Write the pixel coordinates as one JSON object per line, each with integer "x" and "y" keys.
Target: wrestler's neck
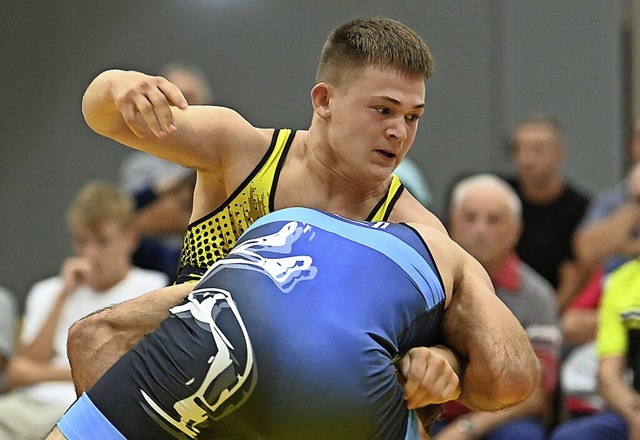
{"x": 328, "y": 186}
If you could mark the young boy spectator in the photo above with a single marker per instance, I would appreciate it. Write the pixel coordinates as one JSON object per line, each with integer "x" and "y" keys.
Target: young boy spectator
{"x": 98, "y": 275}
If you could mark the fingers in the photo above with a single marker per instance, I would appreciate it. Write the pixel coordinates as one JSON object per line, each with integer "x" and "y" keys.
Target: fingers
{"x": 429, "y": 378}
{"x": 145, "y": 104}
{"x": 74, "y": 272}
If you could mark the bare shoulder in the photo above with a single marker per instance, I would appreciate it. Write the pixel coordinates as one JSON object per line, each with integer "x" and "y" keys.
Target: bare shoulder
{"x": 408, "y": 209}
{"x": 447, "y": 255}
{"x": 461, "y": 273}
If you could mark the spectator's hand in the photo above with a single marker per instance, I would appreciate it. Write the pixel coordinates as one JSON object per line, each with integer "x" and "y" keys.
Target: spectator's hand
{"x": 145, "y": 102}
{"x": 75, "y": 272}
{"x": 428, "y": 376}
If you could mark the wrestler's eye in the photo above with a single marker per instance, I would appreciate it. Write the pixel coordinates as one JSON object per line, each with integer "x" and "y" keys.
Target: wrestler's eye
{"x": 384, "y": 110}
{"x": 413, "y": 118}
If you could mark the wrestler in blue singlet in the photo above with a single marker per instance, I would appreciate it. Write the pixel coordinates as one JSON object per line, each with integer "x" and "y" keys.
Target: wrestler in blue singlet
{"x": 291, "y": 336}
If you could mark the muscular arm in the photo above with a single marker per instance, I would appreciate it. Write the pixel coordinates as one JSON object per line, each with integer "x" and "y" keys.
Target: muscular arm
{"x": 97, "y": 341}
{"x": 501, "y": 366}
{"x": 150, "y": 114}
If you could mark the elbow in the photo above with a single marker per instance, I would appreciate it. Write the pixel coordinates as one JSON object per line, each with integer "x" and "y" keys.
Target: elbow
{"x": 84, "y": 336}
{"x": 95, "y": 97}
{"x": 515, "y": 382}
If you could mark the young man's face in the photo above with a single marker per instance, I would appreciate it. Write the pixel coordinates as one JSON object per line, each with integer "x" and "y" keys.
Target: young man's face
{"x": 107, "y": 248}
{"x": 374, "y": 118}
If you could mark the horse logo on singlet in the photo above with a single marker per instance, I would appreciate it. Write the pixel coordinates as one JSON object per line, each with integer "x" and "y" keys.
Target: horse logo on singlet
{"x": 231, "y": 375}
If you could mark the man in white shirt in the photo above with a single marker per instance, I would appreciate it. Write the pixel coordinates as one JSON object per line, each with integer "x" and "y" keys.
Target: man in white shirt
{"x": 98, "y": 275}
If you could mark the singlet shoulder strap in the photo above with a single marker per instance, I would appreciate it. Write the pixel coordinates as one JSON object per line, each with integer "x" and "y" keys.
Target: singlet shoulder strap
{"x": 384, "y": 207}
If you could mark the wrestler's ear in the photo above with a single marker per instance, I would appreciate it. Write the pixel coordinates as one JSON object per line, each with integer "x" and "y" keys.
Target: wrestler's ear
{"x": 321, "y": 95}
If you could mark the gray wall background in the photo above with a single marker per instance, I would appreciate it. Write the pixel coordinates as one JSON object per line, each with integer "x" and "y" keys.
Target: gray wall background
{"x": 495, "y": 62}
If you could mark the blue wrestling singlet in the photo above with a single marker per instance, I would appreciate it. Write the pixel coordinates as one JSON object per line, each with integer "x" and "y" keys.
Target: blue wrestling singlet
{"x": 291, "y": 336}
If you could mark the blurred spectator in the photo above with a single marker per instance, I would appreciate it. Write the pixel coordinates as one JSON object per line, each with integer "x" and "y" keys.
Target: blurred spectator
{"x": 618, "y": 348}
{"x": 163, "y": 190}
{"x": 608, "y": 238}
{"x": 551, "y": 207}
{"x": 413, "y": 179}
{"x": 610, "y": 234}
{"x": 485, "y": 219}
{"x": 579, "y": 369}
{"x": 98, "y": 275}
{"x": 8, "y": 321}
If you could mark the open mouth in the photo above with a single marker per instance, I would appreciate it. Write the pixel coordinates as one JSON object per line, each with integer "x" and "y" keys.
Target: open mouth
{"x": 386, "y": 154}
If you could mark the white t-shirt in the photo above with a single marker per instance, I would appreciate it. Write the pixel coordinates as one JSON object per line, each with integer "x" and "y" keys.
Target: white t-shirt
{"x": 80, "y": 303}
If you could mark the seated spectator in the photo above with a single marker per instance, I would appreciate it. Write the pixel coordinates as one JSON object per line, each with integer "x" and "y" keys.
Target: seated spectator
{"x": 598, "y": 241}
{"x": 485, "y": 219}
{"x": 98, "y": 275}
{"x": 8, "y": 320}
{"x": 618, "y": 349}
{"x": 551, "y": 207}
{"x": 579, "y": 369}
{"x": 610, "y": 235}
{"x": 163, "y": 190}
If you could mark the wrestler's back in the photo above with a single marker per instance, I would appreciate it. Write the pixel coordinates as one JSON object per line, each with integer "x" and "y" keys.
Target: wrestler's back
{"x": 324, "y": 315}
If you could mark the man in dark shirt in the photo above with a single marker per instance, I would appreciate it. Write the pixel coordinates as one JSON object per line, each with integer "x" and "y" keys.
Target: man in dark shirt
{"x": 551, "y": 207}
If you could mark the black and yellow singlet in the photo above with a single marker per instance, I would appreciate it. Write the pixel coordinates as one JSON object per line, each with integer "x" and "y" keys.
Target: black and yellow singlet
{"x": 211, "y": 237}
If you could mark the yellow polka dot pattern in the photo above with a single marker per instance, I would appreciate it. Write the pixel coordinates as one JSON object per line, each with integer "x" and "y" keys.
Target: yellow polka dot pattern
{"x": 212, "y": 237}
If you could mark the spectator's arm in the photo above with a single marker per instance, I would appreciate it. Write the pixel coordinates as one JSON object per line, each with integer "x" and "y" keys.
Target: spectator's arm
{"x": 579, "y": 326}
{"x": 617, "y": 394}
{"x": 41, "y": 348}
{"x": 573, "y": 276}
{"x": 479, "y": 423}
{"x": 22, "y": 371}
{"x": 612, "y": 235}
{"x": 169, "y": 212}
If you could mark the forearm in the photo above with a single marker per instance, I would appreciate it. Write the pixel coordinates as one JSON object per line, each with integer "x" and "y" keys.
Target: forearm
{"x": 574, "y": 276}
{"x": 502, "y": 368}
{"x": 579, "y": 326}
{"x": 164, "y": 215}
{"x": 41, "y": 348}
{"x": 24, "y": 372}
{"x": 618, "y": 395}
{"x": 97, "y": 341}
{"x": 596, "y": 242}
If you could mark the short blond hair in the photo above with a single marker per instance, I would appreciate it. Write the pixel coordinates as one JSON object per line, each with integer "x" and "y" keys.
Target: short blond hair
{"x": 98, "y": 201}
{"x": 373, "y": 41}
